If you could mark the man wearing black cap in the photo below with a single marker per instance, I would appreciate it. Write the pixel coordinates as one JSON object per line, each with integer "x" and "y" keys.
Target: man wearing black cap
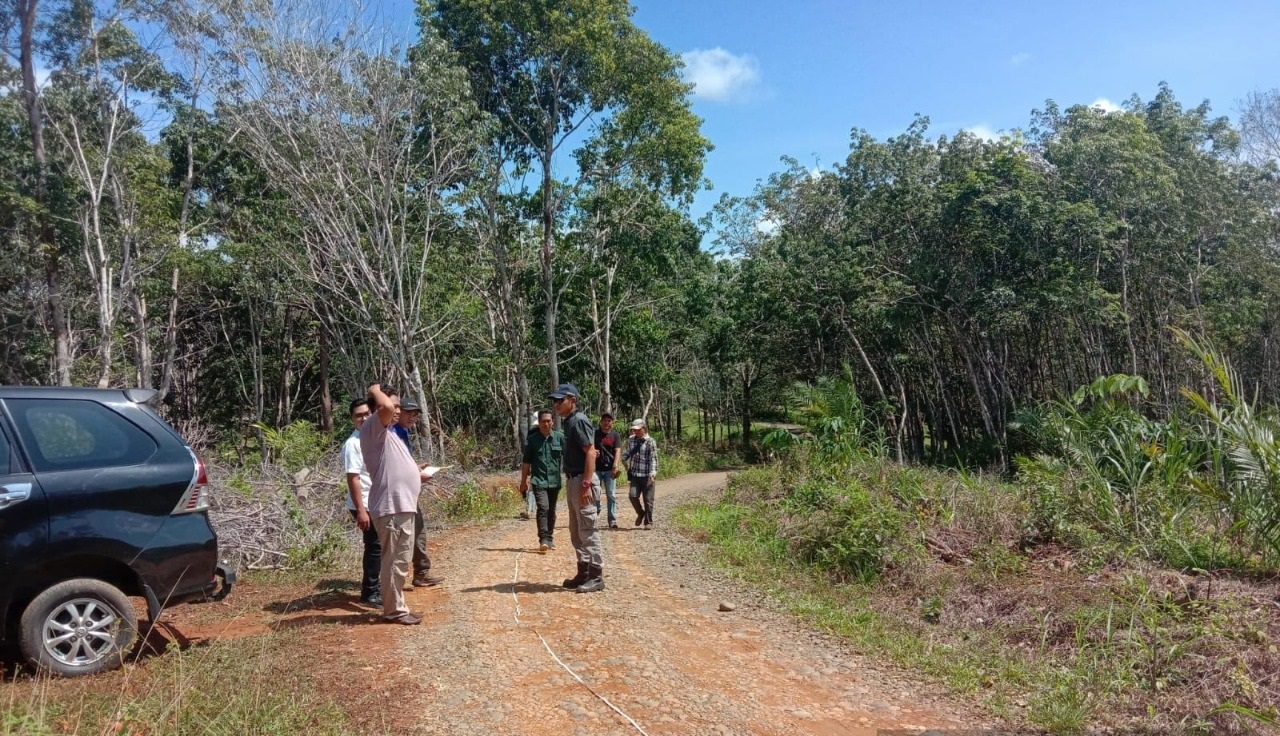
{"x": 422, "y": 577}
{"x": 582, "y": 491}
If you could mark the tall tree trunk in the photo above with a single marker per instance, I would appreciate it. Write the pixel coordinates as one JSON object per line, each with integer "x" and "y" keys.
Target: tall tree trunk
{"x": 26, "y": 10}
{"x": 326, "y": 395}
{"x": 548, "y": 254}
{"x": 170, "y": 341}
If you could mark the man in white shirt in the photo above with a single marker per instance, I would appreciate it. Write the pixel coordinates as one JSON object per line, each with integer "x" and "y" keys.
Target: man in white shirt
{"x": 358, "y": 483}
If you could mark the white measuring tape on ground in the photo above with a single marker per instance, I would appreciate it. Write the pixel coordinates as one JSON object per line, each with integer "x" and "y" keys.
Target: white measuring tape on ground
{"x": 516, "y": 613}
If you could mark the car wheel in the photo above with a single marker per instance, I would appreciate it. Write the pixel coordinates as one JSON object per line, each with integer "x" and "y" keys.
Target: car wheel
{"x": 78, "y": 627}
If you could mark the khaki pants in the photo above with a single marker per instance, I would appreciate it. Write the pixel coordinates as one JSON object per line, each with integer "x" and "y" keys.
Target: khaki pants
{"x": 582, "y": 521}
{"x": 395, "y": 533}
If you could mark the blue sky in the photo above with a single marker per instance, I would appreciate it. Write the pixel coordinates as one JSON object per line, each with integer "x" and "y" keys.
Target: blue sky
{"x": 793, "y": 78}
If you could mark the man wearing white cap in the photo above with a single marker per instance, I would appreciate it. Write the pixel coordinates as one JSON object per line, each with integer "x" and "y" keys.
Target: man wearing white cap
{"x": 641, "y": 457}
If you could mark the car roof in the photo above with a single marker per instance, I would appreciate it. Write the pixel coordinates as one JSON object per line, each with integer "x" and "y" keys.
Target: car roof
{"x": 136, "y": 395}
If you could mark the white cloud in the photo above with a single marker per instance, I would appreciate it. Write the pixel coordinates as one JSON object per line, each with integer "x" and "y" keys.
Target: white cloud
{"x": 1105, "y": 105}
{"x": 984, "y": 131}
{"x": 718, "y": 75}
{"x": 1019, "y": 58}
{"x": 767, "y": 226}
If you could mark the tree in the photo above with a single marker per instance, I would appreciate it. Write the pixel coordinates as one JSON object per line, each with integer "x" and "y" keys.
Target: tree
{"x": 558, "y": 73}
{"x": 366, "y": 146}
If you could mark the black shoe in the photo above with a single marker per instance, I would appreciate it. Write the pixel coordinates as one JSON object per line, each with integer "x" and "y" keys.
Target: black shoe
{"x": 573, "y": 582}
{"x": 594, "y": 581}
{"x": 639, "y": 518}
{"x": 426, "y": 581}
{"x": 372, "y": 601}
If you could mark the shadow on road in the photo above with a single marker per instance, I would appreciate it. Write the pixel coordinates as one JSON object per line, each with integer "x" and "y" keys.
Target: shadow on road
{"x": 522, "y": 586}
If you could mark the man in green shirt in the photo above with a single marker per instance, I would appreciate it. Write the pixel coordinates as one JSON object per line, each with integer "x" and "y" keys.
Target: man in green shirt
{"x": 543, "y": 451}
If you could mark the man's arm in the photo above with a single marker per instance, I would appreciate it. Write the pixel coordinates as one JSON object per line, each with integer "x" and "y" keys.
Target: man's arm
{"x": 357, "y": 499}
{"x": 617, "y": 458}
{"x": 588, "y": 472}
{"x": 525, "y": 469}
{"x": 386, "y": 408}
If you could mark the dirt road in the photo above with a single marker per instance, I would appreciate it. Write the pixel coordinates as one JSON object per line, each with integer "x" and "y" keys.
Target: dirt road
{"x": 504, "y": 645}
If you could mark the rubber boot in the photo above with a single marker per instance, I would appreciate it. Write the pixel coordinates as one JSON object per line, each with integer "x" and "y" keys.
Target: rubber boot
{"x": 595, "y": 580}
{"x": 573, "y": 582}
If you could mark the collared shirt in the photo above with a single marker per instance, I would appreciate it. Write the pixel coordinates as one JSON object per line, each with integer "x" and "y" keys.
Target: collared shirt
{"x": 353, "y": 462}
{"x": 543, "y": 456}
{"x": 397, "y": 482}
{"x": 579, "y": 434}
{"x": 641, "y": 457}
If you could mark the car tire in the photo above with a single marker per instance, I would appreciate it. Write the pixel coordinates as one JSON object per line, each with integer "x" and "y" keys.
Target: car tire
{"x": 78, "y": 627}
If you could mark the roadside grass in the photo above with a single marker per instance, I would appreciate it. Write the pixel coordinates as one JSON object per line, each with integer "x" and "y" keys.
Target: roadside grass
{"x": 251, "y": 685}
{"x": 931, "y": 570}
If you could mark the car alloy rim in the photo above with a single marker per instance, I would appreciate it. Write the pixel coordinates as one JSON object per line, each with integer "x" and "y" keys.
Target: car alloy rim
{"x": 81, "y": 632}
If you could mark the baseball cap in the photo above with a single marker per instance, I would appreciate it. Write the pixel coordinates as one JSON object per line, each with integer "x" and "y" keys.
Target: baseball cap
{"x": 410, "y": 406}
{"x": 638, "y": 424}
{"x": 563, "y": 390}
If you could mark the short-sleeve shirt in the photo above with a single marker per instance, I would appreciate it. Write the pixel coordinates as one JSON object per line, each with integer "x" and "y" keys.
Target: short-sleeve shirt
{"x": 396, "y": 479}
{"x": 579, "y": 434}
{"x": 543, "y": 455}
{"x": 606, "y": 446}
{"x": 353, "y": 462}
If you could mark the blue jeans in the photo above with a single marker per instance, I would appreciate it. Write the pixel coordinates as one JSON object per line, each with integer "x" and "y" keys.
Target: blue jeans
{"x": 609, "y": 484}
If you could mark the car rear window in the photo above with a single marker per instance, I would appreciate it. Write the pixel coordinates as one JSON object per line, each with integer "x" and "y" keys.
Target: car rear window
{"x": 65, "y": 434}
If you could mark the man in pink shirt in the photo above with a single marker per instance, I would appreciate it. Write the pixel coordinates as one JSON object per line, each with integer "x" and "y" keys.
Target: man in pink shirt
{"x": 396, "y": 482}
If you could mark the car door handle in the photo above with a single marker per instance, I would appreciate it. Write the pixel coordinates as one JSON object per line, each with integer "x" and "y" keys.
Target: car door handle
{"x": 11, "y": 493}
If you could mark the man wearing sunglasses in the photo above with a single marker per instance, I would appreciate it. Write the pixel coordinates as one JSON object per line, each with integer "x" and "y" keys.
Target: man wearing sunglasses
{"x": 582, "y": 491}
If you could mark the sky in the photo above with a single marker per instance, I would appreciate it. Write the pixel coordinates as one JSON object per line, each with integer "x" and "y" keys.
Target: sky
{"x": 776, "y": 78}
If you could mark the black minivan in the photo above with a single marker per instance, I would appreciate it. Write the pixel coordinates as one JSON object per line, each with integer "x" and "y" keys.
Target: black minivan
{"x": 100, "y": 500}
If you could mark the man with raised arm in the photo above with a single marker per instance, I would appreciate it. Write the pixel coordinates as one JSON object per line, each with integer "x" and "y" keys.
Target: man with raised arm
{"x": 393, "y": 499}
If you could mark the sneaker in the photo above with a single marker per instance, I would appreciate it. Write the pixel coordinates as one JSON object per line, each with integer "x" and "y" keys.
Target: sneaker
{"x": 552, "y": 545}
{"x": 426, "y": 581}
{"x": 543, "y": 547}
{"x": 648, "y": 526}
{"x": 613, "y": 525}
{"x": 524, "y": 515}
{"x": 372, "y": 601}
{"x": 408, "y": 619}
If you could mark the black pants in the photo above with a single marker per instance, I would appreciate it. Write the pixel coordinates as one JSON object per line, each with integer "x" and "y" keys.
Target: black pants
{"x": 546, "y": 500}
{"x": 642, "y": 488}
{"x": 421, "y": 560}
{"x": 371, "y": 561}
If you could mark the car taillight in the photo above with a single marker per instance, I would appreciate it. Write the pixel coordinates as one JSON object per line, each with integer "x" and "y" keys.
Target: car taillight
{"x": 197, "y": 496}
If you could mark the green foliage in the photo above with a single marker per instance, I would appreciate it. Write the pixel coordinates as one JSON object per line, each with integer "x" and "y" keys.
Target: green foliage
{"x": 295, "y": 446}
{"x": 1244, "y": 474}
{"x": 471, "y": 502}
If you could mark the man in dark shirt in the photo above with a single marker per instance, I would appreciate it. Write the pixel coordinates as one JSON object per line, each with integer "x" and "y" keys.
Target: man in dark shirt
{"x": 582, "y": 490}
{"x": 608, "y": 465}
{"x": 543, "y": 452}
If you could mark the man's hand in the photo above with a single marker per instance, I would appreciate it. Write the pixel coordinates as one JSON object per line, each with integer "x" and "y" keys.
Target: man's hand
{"x": 617, "y": 472}
{"x": 362, "y": 520}
{"x": 586, "y": 490}
{"x": 524, "y": 487}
